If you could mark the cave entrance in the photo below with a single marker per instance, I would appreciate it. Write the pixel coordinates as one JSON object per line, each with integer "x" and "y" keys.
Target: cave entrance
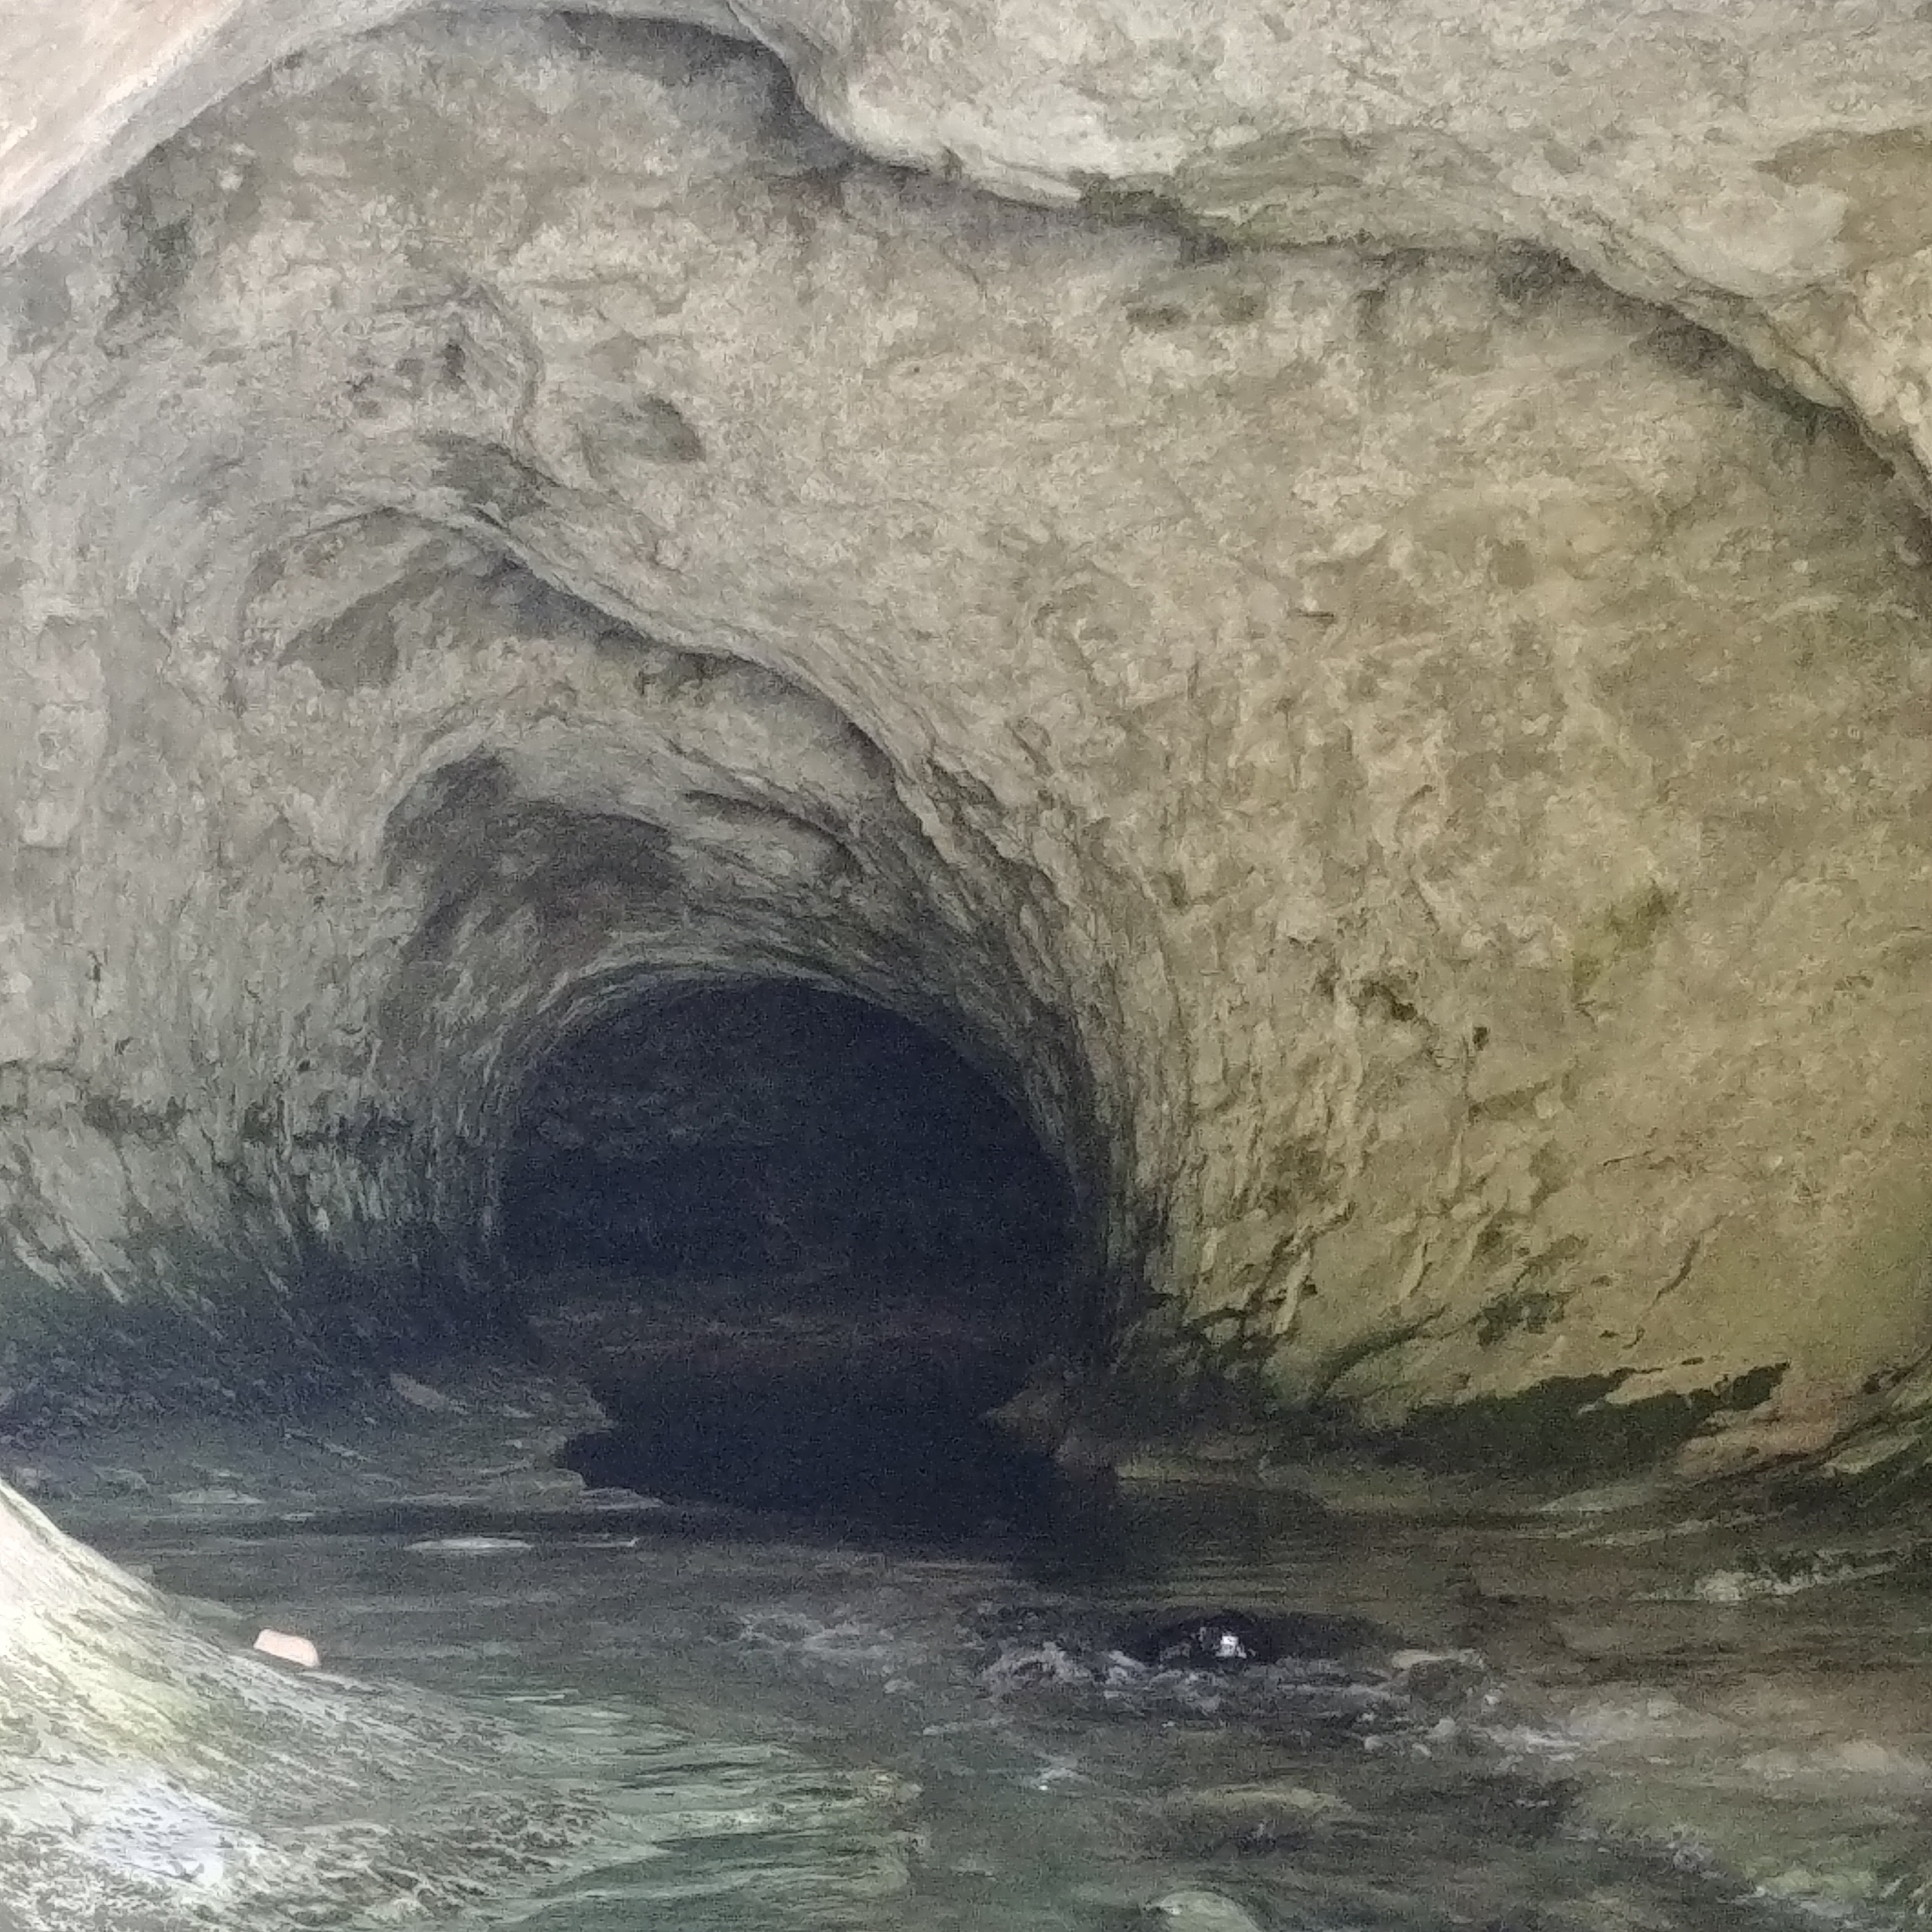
{"x": 799, "y": 1245}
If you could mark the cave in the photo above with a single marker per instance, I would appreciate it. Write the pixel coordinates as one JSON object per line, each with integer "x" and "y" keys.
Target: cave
{"x": 839, "y": 842}
{"x": 799, "y": 1248}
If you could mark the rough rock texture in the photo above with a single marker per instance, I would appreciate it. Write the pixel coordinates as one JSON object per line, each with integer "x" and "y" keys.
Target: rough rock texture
{"x": 1410, "y": 765}
{"x": 154, "y": 1774}
{"x": 1761, "y": 166}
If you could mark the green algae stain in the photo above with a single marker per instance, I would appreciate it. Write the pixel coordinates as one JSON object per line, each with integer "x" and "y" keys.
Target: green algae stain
{"x": 1629, "y": 930}
{"x": 1109, "y": 200}
{"x": 1568, "y": 1426}
{"x": 1124, "y": 203}
{"x": 1532, "y": 1303}
{"x": 1532, "y": 1310}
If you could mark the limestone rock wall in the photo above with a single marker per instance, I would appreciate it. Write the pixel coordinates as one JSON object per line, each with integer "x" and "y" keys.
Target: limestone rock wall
{"x": 1411, "y": 765}
{"x": 1759, "y": 166}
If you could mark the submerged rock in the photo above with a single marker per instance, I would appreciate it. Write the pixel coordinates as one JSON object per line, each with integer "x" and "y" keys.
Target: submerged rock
{"x": 1195, "y": 1911}
{"x": 1208, "y": 1640}
{"x": 1225, "y": 1639}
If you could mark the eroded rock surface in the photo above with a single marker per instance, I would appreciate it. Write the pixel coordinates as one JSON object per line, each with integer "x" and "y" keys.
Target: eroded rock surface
{"x": 1355, "y": 632}
{"x": 1412, "y": 767}
{"x": 154, "y": 1774}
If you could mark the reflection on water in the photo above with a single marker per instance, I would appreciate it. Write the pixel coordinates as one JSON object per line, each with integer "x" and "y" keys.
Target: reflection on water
{"x": 1468, "y": 1725}
{"x": 899, "y": 1439}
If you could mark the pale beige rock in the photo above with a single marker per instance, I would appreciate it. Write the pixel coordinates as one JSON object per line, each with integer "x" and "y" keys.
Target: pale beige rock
{"x": 1416, "y": 769}
{"x": 289, "y": 1649}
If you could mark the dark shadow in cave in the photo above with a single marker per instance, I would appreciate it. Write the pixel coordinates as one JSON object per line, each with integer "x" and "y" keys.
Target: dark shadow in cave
{"x": 799, "y": 1247}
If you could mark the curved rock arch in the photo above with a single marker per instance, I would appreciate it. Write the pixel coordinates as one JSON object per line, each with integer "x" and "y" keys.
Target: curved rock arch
{"x": 389, "y": 399}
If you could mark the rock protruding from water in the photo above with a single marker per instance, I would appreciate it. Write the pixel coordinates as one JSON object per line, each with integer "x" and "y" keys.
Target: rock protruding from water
{"x": 1228, "y": 1640}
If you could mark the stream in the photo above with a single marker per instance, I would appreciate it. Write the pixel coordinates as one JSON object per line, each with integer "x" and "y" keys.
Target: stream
{"x": 1518, "y": 1723}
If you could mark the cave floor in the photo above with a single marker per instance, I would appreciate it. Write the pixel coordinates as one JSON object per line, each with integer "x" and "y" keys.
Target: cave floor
{"x": 1585, "y": 1717}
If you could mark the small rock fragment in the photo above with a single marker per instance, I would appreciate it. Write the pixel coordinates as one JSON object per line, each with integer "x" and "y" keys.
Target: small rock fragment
{"x": 1438, "y": 1677}
{"x": 420, "y": 1395}
{"x": 290, "y": 1649}
{"x": 467, "y": 1546}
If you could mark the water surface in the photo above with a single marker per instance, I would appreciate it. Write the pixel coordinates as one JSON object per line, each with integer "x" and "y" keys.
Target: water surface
{"x": 1517, "y": 1726}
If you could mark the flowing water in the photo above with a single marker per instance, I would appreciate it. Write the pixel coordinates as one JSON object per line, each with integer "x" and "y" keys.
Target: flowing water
{"x": 1514, "y": 1723}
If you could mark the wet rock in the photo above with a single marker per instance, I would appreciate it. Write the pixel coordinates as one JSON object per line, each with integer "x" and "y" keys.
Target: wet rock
{"x": 1193, "y": 1911}
{"x": 1040, "y": 1415}
{"x": 1209, "y": 1640}
{"x": 1438, "y": 1678}
{"x": 1228, "y": 1640}
{"x": 198, "y": 1788}
{"x": 1246, "y": 1819}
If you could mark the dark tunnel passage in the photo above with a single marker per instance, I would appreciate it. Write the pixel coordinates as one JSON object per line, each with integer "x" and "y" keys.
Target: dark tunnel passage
{"x": 800, "y": 1246}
